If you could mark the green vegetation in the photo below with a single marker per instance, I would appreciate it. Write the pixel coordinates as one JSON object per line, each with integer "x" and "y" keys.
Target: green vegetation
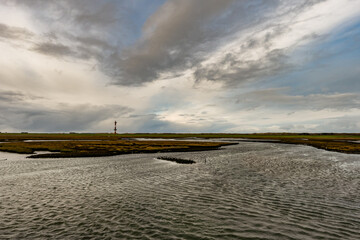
{"x": 330, "y": 145}
{"x": 107, "y": 136}
{"x": 104, "y": 144}
{"x": 251, "y": 136}
{"x": 103, "y": 148}
{"x": 6, "y": 137}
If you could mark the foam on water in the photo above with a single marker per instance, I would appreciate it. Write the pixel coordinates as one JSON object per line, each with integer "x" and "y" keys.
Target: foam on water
{"x": 251, "y": 190}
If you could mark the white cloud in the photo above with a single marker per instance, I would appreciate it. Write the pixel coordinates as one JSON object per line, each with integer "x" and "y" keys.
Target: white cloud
{"x": 64, "y": 67}
{"x": 263, "y": 50}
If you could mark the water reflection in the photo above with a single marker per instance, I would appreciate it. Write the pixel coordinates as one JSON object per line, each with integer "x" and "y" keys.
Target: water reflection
{"x": 251, "y": 190}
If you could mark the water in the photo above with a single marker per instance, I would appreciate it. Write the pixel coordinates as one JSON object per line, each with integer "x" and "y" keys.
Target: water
{"x": 247, "y": 191}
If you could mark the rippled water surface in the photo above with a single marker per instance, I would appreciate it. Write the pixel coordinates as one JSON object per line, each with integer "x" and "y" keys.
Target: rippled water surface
{"x": 251, "y": 190}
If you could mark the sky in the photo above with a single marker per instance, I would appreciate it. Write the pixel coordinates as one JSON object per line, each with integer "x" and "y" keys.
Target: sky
{"x": 232, "y": 66}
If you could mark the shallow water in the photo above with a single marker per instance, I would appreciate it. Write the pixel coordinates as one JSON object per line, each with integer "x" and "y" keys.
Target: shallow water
{"x": 251, "y": 190}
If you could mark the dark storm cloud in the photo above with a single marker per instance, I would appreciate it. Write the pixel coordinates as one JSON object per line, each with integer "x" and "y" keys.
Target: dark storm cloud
{"x": 81, "y": 47}
{"x": 88, "y": 41}
{"x": 80, "y": 51}
{"x": 104, "y": 15}
{"x": 168, "y": 37}
{"x": 78, "y": 29}
{"x": 14, "y": 96}
{"x": 233, "y": 70}
{"x": 11, "y": 96}
{"x": 178, "y": 36}
{"x": 53, "y": 49}
{"x": 14, "y": 33}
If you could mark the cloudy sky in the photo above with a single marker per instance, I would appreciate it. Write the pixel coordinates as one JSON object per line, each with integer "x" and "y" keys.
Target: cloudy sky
{"x": 180, "y": 65}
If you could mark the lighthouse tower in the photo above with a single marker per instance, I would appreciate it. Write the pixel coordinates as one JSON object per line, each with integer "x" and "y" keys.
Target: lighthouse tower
{"x": 115, "y": 128}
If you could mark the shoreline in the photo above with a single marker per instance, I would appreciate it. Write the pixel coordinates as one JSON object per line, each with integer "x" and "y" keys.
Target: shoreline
{"x": 108, "y": 154}
{"x": 341, "y": 146}
{"x": 98, "y": 145}
{"x": 83, "y": 148}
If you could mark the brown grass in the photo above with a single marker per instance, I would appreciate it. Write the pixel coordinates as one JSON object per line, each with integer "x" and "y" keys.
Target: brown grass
{"x": 104, "y": 148}
{"x": 103, "y": 144}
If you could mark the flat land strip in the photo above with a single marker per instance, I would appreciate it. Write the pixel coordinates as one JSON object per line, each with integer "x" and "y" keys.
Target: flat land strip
{"x": 93, "y": 145}
{"x": 104, "y": 144}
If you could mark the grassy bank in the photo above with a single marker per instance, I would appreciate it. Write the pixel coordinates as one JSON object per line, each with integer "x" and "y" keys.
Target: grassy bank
{"x": 103, "y": 148}
{"x": 330, "y": 145}
{"x": 107, "y": 136}
{"x": 103, "y": 144}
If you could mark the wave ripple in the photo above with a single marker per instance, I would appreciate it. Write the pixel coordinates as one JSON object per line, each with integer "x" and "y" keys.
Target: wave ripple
{"x": 252, "y": 191}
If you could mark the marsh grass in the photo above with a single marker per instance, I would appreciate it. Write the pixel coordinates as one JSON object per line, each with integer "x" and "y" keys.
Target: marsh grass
{"x": 107, "y": 136}
{"x": 330, "y": 145}
{"x": 104, "y": 148}
{"x": 104, "y": 144}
